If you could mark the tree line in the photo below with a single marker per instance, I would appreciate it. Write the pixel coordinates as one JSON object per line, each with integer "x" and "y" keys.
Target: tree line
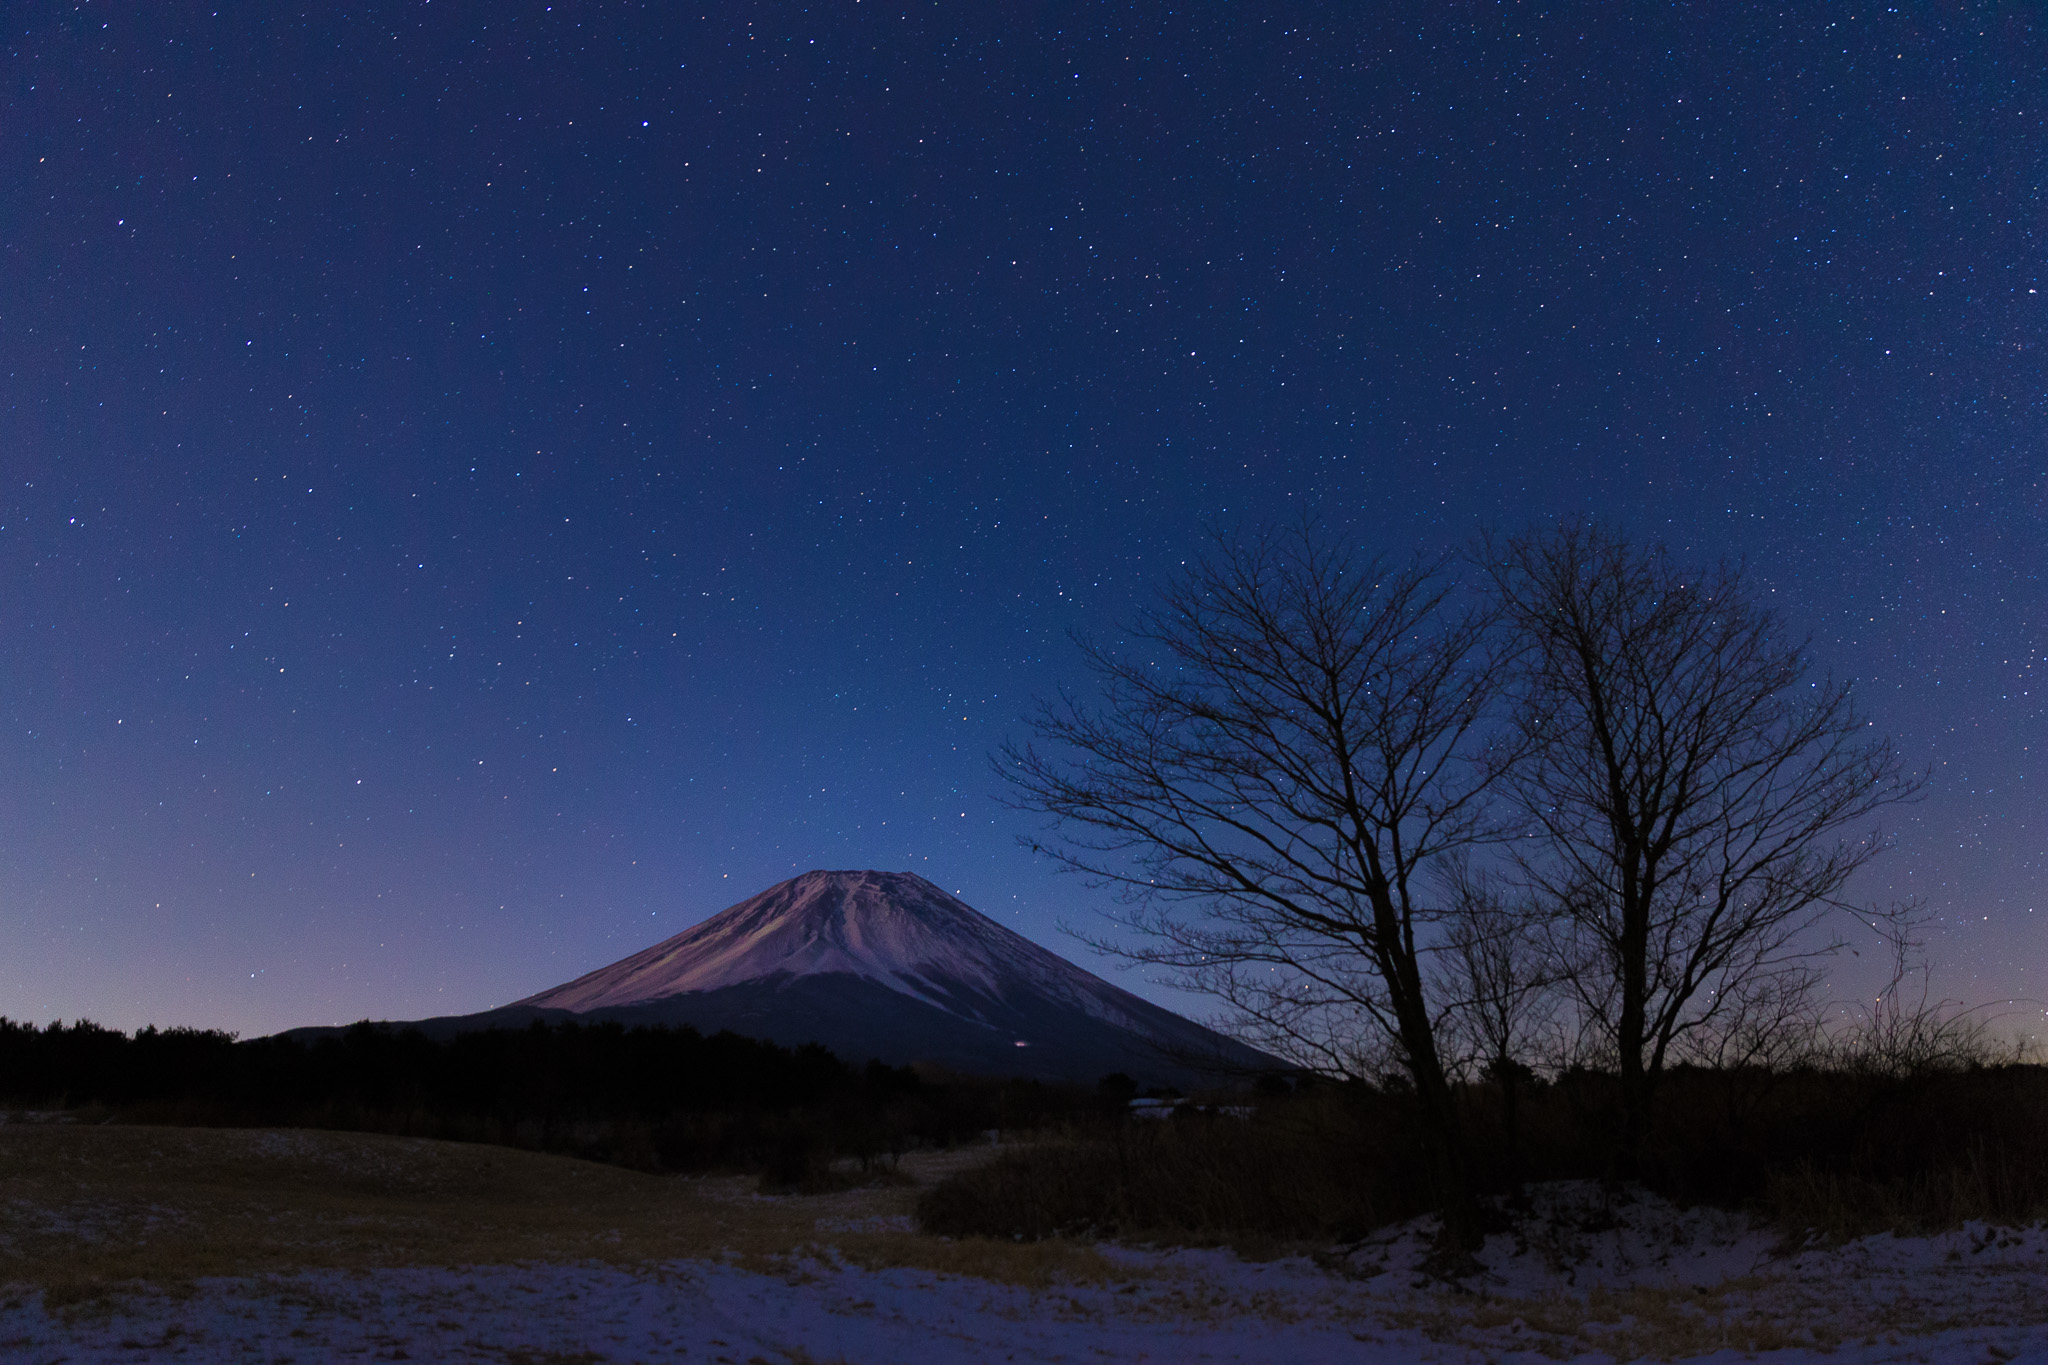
{"x": 1562, "y": 801}
{"x": 655, "y": 1098}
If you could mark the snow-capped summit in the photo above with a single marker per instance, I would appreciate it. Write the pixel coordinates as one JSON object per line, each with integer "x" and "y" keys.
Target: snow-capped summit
{"x": 892, "y": 928}
{"x": 885, "y": 964}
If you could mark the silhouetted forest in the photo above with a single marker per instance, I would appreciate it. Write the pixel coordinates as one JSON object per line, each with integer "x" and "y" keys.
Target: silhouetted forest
{"x": 652, "y": 1098}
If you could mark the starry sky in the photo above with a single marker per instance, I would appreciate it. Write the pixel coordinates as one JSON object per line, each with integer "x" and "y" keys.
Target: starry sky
{"x": 485, "y": 486}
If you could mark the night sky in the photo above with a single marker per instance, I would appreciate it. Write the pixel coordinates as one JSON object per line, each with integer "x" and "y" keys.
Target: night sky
{"x": 485, "y": 486}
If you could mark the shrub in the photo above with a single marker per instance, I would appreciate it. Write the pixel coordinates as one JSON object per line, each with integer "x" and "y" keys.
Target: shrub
{"x": 1840, "y": 1152}
{"x": 1327, "y": 1166}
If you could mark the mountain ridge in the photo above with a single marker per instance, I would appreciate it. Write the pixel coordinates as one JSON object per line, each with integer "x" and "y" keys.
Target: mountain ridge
{"x": 794, "y": 951}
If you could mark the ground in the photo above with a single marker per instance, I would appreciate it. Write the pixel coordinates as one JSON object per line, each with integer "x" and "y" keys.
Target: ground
{"x": 127, "y": 1243}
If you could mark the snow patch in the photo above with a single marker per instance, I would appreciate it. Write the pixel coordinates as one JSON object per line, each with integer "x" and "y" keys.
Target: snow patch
{"x": 1574, "y": 1236}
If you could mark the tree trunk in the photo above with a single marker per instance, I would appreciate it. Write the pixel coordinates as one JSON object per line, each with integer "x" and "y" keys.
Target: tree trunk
{"x": 1635, "y": 1107}
{"x": 1630, "y": 1036}
{"x": 1510, "y": 1098}
{"x": 1458, "y": 1205}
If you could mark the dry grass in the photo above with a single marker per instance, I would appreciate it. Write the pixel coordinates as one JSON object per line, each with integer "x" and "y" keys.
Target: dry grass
{"x": 1033, "y": 1265}
{"x": 1631, "y": 1324}
{"x": 86, "y": 1209}
{"x": 1838, "y": 1207}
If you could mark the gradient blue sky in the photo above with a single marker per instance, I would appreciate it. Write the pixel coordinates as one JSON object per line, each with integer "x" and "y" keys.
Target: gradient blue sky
{"x": 484, "y": 486}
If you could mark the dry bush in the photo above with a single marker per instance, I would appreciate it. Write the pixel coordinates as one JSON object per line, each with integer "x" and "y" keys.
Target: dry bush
{"x": 1918, "y": 1155}
{"x": 1315, "y": 1168}
{"x": 1843, "y": 1152}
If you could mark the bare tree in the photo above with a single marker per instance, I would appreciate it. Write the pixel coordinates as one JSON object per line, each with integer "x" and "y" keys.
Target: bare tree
{"x": 1690, "y": 795}
{"x": 1282, "y": 749}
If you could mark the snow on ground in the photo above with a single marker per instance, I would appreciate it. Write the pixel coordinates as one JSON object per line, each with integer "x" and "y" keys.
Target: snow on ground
{"x": 1573, "y": 1235}
{"x": 1581, "y": 1275}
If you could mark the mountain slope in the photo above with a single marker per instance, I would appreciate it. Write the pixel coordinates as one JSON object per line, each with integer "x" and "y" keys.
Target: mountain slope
{"x": 887, "y": 965}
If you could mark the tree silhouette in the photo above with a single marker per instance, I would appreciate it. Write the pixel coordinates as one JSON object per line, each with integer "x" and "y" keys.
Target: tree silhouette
{"x": 1694, "y": 799}
{"x": 1280, "y": 752}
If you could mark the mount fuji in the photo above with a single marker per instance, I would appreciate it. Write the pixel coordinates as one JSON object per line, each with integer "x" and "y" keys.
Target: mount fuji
{"x": 886, "y": 965}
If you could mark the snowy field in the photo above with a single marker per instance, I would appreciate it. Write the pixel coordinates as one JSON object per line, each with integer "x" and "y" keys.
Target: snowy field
{"x": 1580, "y": 1276}
{"x": 1873, "y": 1303}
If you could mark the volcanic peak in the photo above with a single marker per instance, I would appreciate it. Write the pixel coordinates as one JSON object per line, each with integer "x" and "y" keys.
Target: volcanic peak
{"x": 893, "y": 928}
